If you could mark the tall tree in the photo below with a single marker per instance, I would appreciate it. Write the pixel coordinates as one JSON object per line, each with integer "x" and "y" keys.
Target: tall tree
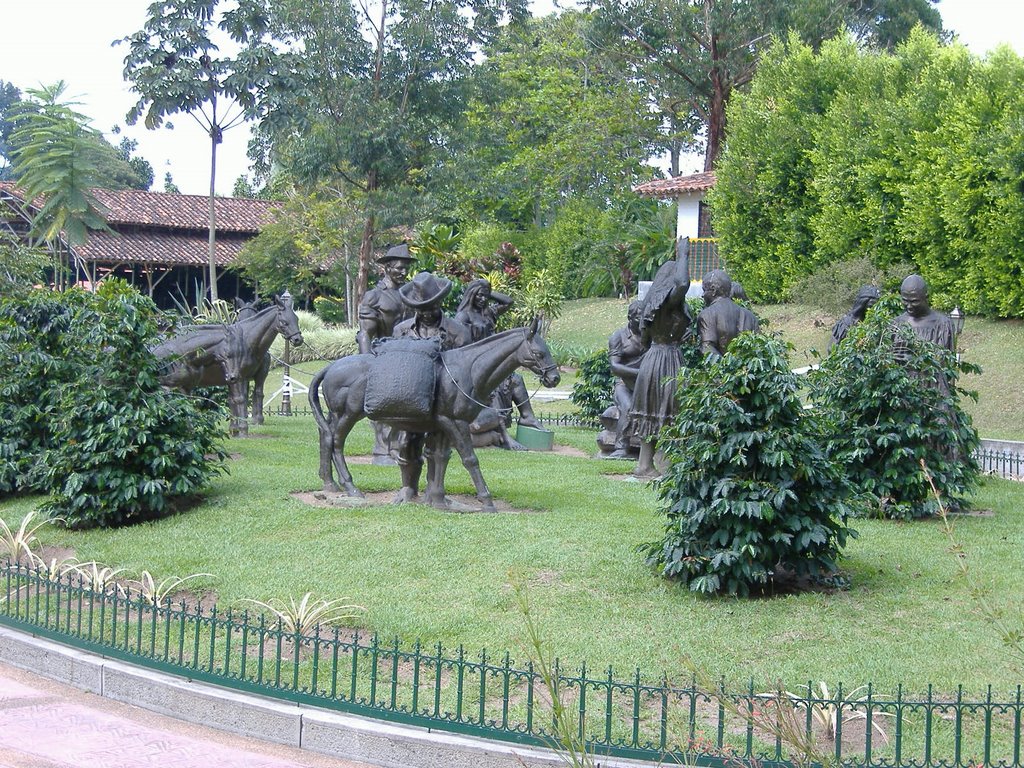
{"x": 549, "y": 119}
{"x": 55, "y": 161}
{"x": 364, "y": 92}
{"x": 694, "y": 54}
{"x": 175, "y": 66}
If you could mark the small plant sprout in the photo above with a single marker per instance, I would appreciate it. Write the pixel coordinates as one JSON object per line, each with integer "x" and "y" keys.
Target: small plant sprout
{"x": 99, "y": 577}
{"x": 307, "y": 612}
{"x": 154, "y": 593}
{"x": 827, "y": 709}
{"x": 55, "y": 568}
{"x": 16, "y": 545}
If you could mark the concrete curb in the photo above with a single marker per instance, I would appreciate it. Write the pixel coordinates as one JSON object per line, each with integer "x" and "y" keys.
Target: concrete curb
{"x": 316, "y": 730}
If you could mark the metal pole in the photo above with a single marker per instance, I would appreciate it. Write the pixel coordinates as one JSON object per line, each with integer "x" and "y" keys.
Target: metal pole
{"x": 286, "y": 395}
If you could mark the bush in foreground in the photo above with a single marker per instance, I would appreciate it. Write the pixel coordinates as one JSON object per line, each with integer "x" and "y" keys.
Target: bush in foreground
{"x": 750, "y": 494}
{"x": 83, "y": 416}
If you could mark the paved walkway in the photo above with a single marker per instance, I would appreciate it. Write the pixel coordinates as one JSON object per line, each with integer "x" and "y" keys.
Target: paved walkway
{"x": 44, "y": 724}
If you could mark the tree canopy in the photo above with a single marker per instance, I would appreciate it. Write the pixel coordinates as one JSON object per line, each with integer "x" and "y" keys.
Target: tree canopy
{"x": 693, "y": 55}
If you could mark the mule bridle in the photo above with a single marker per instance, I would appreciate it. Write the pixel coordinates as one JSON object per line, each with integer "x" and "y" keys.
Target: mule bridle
{"x": 543, "y": 371}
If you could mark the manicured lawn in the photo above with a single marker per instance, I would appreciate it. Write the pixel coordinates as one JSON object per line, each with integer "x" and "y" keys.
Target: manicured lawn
{"x": 445, "y": 577}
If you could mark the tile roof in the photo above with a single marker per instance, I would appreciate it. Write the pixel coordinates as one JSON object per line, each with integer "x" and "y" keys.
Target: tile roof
{"x": 677, "y": 185}
{"x": 151, "y": 246}
{"x": 160, "y": 209}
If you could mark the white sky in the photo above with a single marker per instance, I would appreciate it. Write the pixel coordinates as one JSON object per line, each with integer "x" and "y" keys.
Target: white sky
{"x": 48, "y": 40}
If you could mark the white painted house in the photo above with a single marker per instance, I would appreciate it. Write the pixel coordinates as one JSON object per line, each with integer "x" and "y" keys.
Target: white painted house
{"x": 692, "y": 220}
{"x": 688, "y": 192}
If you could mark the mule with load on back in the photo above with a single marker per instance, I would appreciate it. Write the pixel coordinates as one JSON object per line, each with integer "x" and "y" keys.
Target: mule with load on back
{"x": 422, "y": 390}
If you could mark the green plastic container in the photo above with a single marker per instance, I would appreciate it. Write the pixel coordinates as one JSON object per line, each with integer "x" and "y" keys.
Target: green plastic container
{"x": 535, "y": 439}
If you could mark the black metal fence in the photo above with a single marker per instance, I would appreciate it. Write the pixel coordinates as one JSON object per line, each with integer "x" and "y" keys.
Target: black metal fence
{"x": 1005, "y": 464}
{"x": 492, "y": 696}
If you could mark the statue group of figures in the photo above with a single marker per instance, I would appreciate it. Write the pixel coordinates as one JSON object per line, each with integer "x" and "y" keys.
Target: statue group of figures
{"x": 646, "y": 355}
{"x": 230, "y": 355}
{"x": 926, "y": 323}
{"x": 430, "y": 382}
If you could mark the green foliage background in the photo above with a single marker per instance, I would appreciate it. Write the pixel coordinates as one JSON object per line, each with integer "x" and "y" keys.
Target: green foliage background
{"x": 911, "y": 156}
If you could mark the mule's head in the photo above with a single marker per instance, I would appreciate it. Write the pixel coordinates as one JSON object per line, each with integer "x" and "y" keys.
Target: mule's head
{"x": 537, "y": 357}
{"x": 287, "y": 322}
{"x": 245, "y": 309}
{"x": 230, "y": 354}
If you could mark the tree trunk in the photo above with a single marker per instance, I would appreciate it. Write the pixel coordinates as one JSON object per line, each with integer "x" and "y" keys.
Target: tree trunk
{"x": 365, "y": 254}
{"x": 213, "y": 216}
{"x": 716, "y": 119}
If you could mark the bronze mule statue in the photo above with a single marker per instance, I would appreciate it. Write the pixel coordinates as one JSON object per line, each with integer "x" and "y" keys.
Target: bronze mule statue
{"x": 189, "y": 352}
{"x": 254, "y": 396}
{"x": 256, "y": 333}
{"x": 458, "y": 384}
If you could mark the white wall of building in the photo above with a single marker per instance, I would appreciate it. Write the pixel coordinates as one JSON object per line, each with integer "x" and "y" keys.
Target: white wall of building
{"x": 688, "y": 214}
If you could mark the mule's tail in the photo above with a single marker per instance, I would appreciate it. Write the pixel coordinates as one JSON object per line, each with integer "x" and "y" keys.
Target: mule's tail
{"x": 314, "y": 401}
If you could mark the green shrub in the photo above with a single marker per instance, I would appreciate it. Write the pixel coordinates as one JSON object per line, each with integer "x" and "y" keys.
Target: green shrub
{"x": 749, "y": 491}
{"x": 83, "y": 416}
{"x": 331, "y": 310}
{"x": 592, "y": 392}
{"x": 882, "y": 418}
{"x": 833, "y": 287}
{"x": 318, "y": 344}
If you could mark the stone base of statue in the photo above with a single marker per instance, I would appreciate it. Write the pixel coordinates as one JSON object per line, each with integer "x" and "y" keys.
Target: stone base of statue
{"x": 606, "y": 448}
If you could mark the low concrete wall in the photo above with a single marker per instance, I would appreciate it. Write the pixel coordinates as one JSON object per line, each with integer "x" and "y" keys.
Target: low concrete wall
{"x": 316, "y": 730}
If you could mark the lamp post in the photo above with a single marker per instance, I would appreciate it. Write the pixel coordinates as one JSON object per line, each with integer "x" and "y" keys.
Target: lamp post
{"x": 958, "y": 319}
{"x": 286, "y": 395}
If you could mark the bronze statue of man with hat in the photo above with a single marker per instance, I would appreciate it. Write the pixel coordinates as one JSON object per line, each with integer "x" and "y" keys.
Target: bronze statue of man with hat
{"x": 380, "y": 310}
{"x": 424, "y": 295}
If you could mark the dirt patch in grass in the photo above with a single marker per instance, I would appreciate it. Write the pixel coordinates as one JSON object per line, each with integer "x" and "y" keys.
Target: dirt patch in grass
{"x": 569, "y": 450}
{"x": 461, "y": 504}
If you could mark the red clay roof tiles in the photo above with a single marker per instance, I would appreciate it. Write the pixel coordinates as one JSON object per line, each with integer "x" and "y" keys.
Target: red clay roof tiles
{"x": 677, "y": 185}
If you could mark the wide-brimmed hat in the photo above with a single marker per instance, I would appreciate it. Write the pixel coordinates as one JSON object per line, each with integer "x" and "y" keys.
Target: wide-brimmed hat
{"x": 396, "y": 253}
{"x": 425, "y": 290}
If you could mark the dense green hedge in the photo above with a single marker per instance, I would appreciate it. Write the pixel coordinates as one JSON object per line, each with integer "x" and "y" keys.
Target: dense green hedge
{"x": 83, "y": 417}
{"x": 912, "y": 156}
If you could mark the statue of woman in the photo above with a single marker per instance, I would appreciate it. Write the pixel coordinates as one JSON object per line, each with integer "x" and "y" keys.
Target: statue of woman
{"x": 664, "y": 321}
{"x": 480, "y": 309}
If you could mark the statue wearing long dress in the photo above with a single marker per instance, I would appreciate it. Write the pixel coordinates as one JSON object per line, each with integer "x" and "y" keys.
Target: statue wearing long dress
{"x": 380, "y": 310}
{"x": 664, "y": 321}
{"x": 722, "y": 319}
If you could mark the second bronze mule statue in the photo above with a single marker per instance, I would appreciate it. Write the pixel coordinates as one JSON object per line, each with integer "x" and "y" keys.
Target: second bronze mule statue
{"x": 247, "y": 342}
{"x": 459, "y": 388}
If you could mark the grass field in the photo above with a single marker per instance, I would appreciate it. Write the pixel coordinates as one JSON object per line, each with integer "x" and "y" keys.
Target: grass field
{"x": 446, "y": 577}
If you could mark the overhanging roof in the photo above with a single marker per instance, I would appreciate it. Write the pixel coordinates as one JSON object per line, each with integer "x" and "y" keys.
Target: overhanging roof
{"x": 677, "y": 185}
